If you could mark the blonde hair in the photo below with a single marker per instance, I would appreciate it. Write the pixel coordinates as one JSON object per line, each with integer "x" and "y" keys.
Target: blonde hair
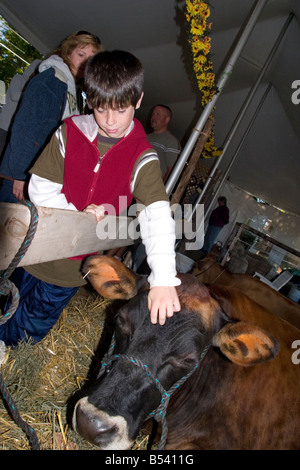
{"x": 79, "y": 39}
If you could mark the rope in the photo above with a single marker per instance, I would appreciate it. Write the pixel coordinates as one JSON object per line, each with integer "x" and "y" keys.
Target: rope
{"x": 160, "y": 413}
{"x": 7, "y": 287}
{"x": 27, "y": 240}
{"x": 29, "y": 431}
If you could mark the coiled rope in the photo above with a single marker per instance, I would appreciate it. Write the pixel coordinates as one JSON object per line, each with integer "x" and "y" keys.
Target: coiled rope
{"x": 7, "y": 287}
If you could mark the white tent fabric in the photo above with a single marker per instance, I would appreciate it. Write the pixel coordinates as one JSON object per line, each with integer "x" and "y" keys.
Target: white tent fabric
{"x": 281, "y": 226}
{"x": 268, "y": 163}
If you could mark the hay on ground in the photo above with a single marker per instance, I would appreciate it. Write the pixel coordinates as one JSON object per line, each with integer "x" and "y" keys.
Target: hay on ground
{"x": 41, "y": 378}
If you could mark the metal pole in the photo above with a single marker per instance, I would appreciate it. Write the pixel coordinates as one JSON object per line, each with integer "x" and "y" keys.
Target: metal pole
{"x": 242, "y": 140}
{"x": 209, "y": 107}
{"x": 241, "y": 115}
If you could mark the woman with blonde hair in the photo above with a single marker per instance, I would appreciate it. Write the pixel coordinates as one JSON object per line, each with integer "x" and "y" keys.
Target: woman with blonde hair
{"x": 50, "y": 97}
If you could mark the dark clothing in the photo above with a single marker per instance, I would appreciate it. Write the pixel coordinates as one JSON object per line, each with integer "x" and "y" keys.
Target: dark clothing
{"x": 39, "y": 115}
{"x": 219, "y": 216}
{"x": 31, "y": 320}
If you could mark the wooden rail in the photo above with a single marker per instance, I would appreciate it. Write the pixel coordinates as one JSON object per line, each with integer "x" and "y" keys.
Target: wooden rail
{"x": 60, "y": 234}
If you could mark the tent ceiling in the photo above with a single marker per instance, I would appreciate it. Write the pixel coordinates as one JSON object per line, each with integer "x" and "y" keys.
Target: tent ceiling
{"x": 268, "y": 161}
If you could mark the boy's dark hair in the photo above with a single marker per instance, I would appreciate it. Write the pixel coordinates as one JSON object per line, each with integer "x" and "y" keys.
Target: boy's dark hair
{"x": 113, "y": 79}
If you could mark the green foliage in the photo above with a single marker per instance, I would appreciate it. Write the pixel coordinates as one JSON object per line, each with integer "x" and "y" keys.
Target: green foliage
{"x": 15, "y": 52}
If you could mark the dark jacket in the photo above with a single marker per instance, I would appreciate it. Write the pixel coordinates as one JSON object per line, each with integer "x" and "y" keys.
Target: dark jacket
{"x": 219, "y": 216}
{"x": 38, "y": 116}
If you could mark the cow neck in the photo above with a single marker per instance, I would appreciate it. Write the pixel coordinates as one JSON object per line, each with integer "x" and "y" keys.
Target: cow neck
{"x": 160, "y": 413}
{"x": 207, "y": 269}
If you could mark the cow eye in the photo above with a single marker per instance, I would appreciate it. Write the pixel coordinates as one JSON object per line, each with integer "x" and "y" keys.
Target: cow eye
{"x": 124, "y": 324}
{"x": 187, "y": 360}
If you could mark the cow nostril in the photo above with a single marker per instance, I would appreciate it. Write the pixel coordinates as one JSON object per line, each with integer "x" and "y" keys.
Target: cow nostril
{"x": 91, "y": 427}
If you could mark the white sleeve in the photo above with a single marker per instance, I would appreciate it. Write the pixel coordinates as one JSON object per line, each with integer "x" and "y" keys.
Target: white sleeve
{"x": 158, "y": 235}
{"x": 46, "y": 193}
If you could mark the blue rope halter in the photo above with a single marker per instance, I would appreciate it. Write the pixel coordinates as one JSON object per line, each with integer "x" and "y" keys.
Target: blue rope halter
{"x": 160, "y": 413}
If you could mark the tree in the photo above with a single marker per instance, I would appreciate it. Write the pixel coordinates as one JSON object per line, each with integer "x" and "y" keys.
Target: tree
{"x": 15, "y": 52}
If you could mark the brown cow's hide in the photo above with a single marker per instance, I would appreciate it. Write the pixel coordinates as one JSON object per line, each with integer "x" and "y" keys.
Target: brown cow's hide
{"x": 211, "y": 273}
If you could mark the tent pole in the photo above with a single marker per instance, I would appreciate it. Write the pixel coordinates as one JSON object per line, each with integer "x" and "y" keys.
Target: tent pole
{"x": 242, "y": 142}
{"x": 209, "y": 107}
{"x": 241, "y": 115}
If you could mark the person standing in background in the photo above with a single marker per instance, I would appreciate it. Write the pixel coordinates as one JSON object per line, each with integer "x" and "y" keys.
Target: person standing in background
{"x": 163, "y": 141}
{"x": 50, "y": 97}
{"x": 12, "y": 100}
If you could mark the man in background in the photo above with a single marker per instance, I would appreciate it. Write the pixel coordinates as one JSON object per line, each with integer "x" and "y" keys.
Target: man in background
{"x": 163, "y": 141}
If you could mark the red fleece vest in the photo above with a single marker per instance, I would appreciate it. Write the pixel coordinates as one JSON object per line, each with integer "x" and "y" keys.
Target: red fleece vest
{"x": 82, "y": 186}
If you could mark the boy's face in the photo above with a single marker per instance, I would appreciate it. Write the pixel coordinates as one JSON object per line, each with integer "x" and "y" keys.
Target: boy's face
{"x": 115, "y": 122}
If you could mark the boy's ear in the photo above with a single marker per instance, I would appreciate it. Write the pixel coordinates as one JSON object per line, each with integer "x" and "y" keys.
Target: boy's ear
{"x": 139, "y": 101}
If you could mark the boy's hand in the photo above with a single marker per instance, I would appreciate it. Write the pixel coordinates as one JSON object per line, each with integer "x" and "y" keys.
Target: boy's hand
{"x": 18, "y": 189}
{"x": 162, "y": 303}
{"x": 97, "y": 211}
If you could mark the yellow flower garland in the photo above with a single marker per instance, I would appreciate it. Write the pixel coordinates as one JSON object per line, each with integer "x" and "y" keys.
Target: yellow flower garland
{"x": 197, "y": 14}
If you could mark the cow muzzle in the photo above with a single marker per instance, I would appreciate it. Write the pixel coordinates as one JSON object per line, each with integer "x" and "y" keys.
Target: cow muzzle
{"x": 105, "y": 431}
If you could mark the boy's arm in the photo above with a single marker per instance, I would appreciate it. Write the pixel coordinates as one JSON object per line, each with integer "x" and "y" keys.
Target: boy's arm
{"x": 158, "y": 235}
{"x": 47, "y": 176}
{"x": 46, "y": 193}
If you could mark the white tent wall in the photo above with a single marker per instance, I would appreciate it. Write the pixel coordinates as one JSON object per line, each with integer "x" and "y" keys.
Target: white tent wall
{"x": 275, "y": 130}
{"x": 256, "y": 169}
{"x": 285, "y": 227}
{"x": 269, "y": 180}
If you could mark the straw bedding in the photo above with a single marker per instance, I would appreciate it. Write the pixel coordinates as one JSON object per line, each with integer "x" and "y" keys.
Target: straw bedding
{"x": 47, "y": 378}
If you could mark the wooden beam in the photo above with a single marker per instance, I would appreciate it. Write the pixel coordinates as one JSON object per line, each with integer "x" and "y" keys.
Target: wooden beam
{"x": 59, "y": 234}
{"x": 191, "y": 165}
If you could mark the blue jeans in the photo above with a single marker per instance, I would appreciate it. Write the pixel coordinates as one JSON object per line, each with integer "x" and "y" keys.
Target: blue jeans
{"x": 39, "y": 308}
{"x": 210, "y": 236}
{"x": 6, "y": 194}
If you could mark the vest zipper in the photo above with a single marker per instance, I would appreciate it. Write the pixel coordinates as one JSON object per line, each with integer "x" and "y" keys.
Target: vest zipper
{"x": 98, "y": 164}
{"x": 96, "y": 169}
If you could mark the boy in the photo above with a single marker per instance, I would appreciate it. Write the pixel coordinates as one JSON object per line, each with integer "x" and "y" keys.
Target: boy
{"x": 89, "y": 163}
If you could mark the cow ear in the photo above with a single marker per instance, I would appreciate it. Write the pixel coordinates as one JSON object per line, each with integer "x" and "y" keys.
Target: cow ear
{"x": 110, "y": 277}
{"x": 245, "y": 344}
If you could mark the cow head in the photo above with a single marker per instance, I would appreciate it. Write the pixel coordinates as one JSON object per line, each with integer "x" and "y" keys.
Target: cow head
{"x": 122, "y": 398}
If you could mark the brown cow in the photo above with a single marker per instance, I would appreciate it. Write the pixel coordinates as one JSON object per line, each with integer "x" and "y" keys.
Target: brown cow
{"x": 210, "y": 273}
{"x": 243, "y": 391}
